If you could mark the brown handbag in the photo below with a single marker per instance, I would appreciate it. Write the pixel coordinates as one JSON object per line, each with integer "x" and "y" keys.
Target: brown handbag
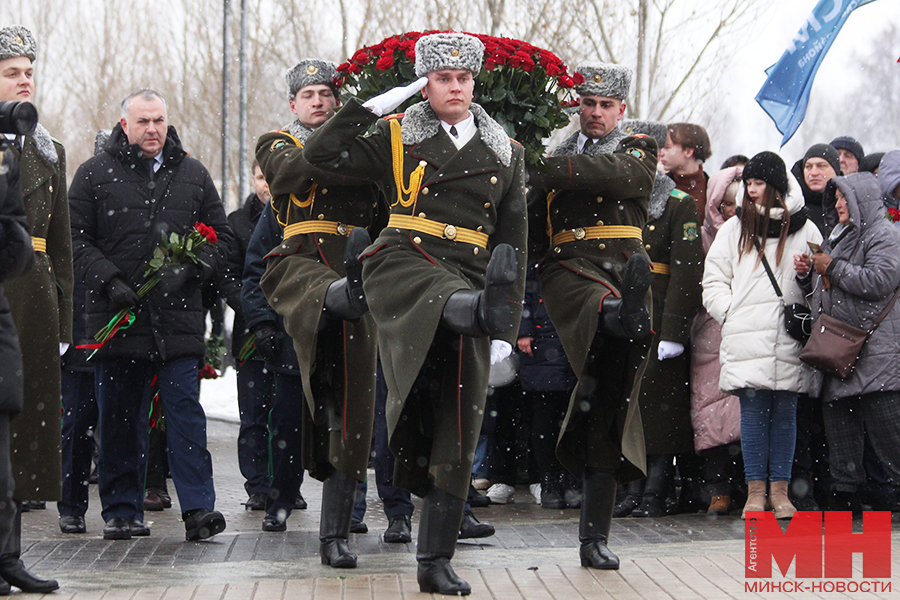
{"x": 834, "y": 346}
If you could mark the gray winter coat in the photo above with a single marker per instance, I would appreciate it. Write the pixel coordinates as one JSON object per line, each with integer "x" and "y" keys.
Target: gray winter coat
{"x": 889, "y": 178}
{"x": 864, "y": 274}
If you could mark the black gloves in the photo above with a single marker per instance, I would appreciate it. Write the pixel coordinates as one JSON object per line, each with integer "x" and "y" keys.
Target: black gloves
{"x": 174, "y": 277}
{"x": 120, "y": 294}
{"x": 264, "y": 334}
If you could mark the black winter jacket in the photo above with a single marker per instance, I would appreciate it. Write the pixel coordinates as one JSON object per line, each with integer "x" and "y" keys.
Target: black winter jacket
{"x": 242, "y": 222}
{"x": 118, "y": 216}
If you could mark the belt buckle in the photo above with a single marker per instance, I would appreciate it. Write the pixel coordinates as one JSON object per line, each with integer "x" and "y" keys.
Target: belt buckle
{"x": 579, "y": 233}
{"x": 450, "y": 232}
{"x": 343, "y": 229}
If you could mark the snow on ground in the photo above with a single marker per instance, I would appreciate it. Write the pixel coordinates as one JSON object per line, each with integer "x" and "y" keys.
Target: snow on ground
{"x": 219, "y": 397}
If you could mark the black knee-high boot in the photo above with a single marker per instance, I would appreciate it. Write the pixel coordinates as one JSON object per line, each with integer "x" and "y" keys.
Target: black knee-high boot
{"x": 480, "y": 313}
{"x": 344, "y": 298}
{"x": 596, "y": 519}
{"x": 438, "y": 530}
{"x": 338, "y": 496}
{"x": 628, "y": 317}
{"x": 656, "y": 488}
{"x": 13, "y": 570}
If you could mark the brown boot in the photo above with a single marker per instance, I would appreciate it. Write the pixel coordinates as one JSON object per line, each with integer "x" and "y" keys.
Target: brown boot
{"x": 756, "y": 497}
{"x": 719, "y": 506}
{"x": 780, "y": 501}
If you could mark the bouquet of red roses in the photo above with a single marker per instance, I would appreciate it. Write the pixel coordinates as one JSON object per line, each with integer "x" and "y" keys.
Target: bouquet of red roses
{"x": 525, "y": 88}
{"x": 174, "y": 249}
{"x": 892, "y": 215}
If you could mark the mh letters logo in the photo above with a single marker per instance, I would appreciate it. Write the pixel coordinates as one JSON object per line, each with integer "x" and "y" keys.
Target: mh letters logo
{"x": 819, "y": 552}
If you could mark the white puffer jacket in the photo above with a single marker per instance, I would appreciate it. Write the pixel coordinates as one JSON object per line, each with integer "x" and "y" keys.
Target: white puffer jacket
{"x": 756, "y": 350}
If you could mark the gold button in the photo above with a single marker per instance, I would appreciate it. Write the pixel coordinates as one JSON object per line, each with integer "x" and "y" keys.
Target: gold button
{"x": 557, "y": 250}
{"x": 475, "y": 250}
{"x": 629, "y": 129}
{"x": 652, "y": 227}
{"x": 479, "y": 228}
{"x": 425, "y": 191}
{"x": 494, "y": 180}
{"x": 324, "y": 191}
{"x": 450, "y": 232}
{"x": 579, "y": 233}
{"x": 599, "y": 199}
{"x": 51, "y": 188}
{"x": 342, "y": 229}
{"x": 321, "y": 241}
{"x": 600, "y": 223}
{"x": 417, "y": 240}
{"x": 321, "y": 217}
{"x": 598, "y": 78}
{"x": 454, "y": 52}
{"x": 312, "y": 70}
{"x": 423, "y": 163}
{"x": 487, "y": 204}
{"x": 602, "y": 246}
{"x": 421, "y": 215}
{"x": 647, "y": 246}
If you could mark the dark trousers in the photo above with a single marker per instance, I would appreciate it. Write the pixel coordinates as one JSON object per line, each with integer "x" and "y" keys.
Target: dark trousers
{"x": 724, "y": 468}
{"x": 508, "y": 452}
{"x": 548, "y": 411}
{"x": 10, "y": 517}
{"x": 396, "y": 500}
{"x": 287, "y": 428}
{"x": 256, "y": 389}
{"x": 124, "y": 404}
{"x": 811, "y": 452}
{"x": 79, "y": 421}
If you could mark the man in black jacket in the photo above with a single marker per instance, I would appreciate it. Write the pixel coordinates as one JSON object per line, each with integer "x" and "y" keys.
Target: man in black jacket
{"x": 143, "y": 186}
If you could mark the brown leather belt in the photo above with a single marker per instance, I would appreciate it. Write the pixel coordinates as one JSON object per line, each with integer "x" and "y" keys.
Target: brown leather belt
{"x": 331, "y": 227}
{"x": 40, "y": 244}
{"x": 439, "y": 230}
{"x": 609, "y": 232}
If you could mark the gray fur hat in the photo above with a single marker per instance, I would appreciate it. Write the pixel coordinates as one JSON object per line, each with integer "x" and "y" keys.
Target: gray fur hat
{"x": 654, "y": 129}
{"x": 604, "y": 79}
{"x": 15, "y": 41}
{"x": 448, "y": 51}
{"x": 310, "y": 71}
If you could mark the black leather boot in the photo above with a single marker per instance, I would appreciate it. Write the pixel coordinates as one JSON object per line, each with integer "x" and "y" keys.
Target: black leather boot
{"x": 480, "y": 313}
{"x": 596, "y": 518}
{"x": 338, "y": 496}
{"x": 656, "y": 488}
{"x": 13, "y": 570}
{"x": 345, "y": 299}
{"x": 633, "y": 494}
{"x": 628, "y": 317}
{"x": 438, "y": 529}
{"x": 552, "y": 491}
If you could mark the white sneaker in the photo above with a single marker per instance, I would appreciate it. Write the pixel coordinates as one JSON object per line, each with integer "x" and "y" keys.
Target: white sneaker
{"x": 536, "y": 491}
{"x": 501, "y": 493}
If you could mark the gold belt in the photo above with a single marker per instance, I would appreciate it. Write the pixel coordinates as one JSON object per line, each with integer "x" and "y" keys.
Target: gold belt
{"x": 40, "y": 244}
{"x": 609, "y": 232}
{"x": 659, "y": 268}
{"x": 441, "y": 230}
{"x": 332, "y": 227}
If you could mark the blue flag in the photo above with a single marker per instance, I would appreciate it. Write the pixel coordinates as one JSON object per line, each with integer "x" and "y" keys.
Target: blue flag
{"x": 785, "y": 94}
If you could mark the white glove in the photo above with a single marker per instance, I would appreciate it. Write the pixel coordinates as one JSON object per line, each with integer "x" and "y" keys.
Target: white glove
{"x": 499, "y": 350}
{"x": 63, "y": 346}
{"x": 391, "y": 99}
{"x": 669, "y": 349}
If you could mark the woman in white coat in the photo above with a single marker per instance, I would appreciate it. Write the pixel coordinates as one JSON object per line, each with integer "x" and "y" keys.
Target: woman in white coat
{"x": 759, "y": 359}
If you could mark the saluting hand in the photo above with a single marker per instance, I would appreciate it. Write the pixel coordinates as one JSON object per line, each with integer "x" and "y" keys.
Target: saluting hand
{"x": 391, "y": 99}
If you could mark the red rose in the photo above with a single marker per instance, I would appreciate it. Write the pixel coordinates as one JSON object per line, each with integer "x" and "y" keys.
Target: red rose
{"x": 893, "y": 215}
{"x": 528, "y": 65}
{"x": 343, "y": 67}
{"x": 489, "y": 64}
{"x": 385, "y": 62}
{"x": 391, "y": 44}
{"x": 361, "y": 57}
{"x": 566, "y": 82}
{"x": 206, "y": 231}
{"x": 578, "y": 78}
{"x": 338, "y": 82}
{"x": 411, "y": 54}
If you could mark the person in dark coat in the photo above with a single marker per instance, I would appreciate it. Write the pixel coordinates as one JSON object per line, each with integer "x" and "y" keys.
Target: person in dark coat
{"x": 586, "y": 218}
{"x": 16, "y": 258}
{"x": 443, "y": 278}
{"x": 145, "y": 185}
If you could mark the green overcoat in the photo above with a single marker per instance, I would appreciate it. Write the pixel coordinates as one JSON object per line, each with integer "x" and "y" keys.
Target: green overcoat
{"x": 41, "y": 306}
{"x": 433, "y": 426}
{"x": 602, "y": 427}
{"x": 336, "y": 358}
{"x": 672, "y": 240}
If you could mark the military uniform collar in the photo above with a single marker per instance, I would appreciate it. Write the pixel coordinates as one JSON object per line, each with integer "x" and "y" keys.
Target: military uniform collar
{"x": 604, "y": 145}
{"x": 662, "y": 189}
{"x": 420, "y": 123}
{"x": 299, "y": 131}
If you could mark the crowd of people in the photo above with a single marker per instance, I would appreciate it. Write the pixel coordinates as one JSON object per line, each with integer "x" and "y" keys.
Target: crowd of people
{"x": 608, "y": 330}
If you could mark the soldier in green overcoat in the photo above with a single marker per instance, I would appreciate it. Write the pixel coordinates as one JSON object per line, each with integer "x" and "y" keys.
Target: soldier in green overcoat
{"x": 444, "y": 280}
{"x": 40, "y": 301}
{"x": 587, "y": 212}
{"x": 325, "y": 217}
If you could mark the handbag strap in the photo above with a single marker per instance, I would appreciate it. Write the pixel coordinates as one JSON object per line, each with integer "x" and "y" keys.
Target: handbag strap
{"x": 771, "y": 277}
{"x": 884, "y": 313}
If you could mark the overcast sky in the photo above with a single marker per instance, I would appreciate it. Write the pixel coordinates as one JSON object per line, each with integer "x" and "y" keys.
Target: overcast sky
{"x": 757, "y": 131}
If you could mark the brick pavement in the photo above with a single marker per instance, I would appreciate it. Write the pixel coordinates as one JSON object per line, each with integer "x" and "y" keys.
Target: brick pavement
{"x": 533, "y": 556}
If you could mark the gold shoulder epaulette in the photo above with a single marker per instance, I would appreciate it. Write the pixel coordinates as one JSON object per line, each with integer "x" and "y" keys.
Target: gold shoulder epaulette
{"x": 394, "y": 116}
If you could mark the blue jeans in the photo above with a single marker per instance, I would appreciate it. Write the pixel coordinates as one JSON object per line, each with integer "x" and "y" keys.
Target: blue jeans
{"x": 768, "y": 433}
{"x": 124, "y": 404}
